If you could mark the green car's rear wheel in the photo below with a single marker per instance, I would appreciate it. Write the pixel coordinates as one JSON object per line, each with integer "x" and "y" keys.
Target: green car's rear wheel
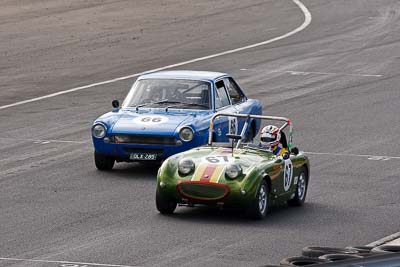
{"x": 165, "y": 205}
{"x": 259, "y": 207}
{"x": 301, "y": 189}
{"x": 102, "y": 162}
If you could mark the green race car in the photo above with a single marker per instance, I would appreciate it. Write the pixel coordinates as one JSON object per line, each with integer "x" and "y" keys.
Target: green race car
{"x": 242, "y": 175}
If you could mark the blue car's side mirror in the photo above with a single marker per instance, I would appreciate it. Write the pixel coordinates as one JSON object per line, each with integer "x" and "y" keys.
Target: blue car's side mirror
{"x": 115, "y": 103}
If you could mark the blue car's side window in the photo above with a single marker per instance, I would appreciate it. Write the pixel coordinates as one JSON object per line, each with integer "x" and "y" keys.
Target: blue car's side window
{"x": 221, "y": 97}
{"x": 234, "y": 92}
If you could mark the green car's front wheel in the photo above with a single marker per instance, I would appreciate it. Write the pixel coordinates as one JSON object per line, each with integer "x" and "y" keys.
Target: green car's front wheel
{"x": 301, "y": 189}
{"x": 259, "y": 207}
{"x": 165, "y": 205}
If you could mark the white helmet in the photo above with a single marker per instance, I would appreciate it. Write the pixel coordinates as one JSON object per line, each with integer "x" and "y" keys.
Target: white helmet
{"x": 270, "y": 136}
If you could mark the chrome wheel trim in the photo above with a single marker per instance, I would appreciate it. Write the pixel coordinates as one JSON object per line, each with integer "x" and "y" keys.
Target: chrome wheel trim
{"x": 262, "y": 199}
{"x": 301, "y": 186}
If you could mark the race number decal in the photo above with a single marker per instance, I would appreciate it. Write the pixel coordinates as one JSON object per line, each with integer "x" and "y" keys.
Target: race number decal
{"x": 287, "y": 174}
{"x": 150, "y": 119}
{"x": 219, "y": 132}
{"x": 218, "y": 159}
{"x": 232, "y": 125}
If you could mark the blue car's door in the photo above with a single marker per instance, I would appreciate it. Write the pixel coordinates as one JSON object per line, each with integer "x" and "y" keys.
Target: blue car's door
{"x": 223, "y": 125}
{"x": 237, "y": 99}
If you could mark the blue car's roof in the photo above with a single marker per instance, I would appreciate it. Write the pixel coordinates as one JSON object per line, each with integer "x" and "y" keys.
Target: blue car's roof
{"x": 184, "y": 74}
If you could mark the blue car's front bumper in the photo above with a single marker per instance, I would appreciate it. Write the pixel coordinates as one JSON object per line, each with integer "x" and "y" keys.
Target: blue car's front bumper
{"x": 123, "y": 151}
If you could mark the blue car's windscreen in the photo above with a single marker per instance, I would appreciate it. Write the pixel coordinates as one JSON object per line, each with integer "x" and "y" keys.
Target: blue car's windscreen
{"x": 169, "y": 93}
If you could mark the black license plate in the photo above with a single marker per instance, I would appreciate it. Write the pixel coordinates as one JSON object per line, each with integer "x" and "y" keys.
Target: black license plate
{"x": 143, "y": 156}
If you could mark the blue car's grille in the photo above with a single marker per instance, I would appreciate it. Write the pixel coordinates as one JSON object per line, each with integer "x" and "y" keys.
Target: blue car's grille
{"x": 143, "y": 150}
{"x": 143, "y": 139}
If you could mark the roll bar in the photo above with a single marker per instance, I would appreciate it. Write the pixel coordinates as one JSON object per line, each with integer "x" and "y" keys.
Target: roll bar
{"x": 246, "y": 125}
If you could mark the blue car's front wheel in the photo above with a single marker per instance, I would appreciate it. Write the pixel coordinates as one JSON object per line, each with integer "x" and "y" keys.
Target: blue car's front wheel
{"x": 103, "y": 162}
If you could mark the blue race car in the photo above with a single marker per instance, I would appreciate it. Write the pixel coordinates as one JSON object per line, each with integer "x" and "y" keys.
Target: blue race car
{"x": 169, "y": 112}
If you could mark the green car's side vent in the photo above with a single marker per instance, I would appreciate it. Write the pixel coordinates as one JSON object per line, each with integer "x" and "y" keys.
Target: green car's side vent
{"x": 205, "y": 191}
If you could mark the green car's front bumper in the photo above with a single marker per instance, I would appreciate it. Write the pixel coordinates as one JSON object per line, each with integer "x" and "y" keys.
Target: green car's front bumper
{"x": 206, "y": 193}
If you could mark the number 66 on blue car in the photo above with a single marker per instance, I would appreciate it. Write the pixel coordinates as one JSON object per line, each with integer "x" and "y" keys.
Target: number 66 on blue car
{"x": 169, "y": 112}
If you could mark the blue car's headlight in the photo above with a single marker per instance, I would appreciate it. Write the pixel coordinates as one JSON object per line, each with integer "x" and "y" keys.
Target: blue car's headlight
{"x": 186, "y": 134}
{"x": 233, "y": 170}
{"x": 185, "y": 166}
{"x": 99, "y": 130}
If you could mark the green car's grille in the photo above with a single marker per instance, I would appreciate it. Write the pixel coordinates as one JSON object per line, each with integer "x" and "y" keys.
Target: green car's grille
{"x": 203, "y": 191}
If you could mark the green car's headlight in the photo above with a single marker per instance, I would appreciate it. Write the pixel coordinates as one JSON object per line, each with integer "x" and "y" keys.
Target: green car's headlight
{"x": 233, "y": 170}
{"x": 185, "y": 166}
{"x": 186, "y": 134}
{"x": 99, "y": 130}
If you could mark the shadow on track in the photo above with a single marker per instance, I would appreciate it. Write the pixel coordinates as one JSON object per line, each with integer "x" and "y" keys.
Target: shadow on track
{"x": 134, "y": 171}
{"x": 283, "y": 216}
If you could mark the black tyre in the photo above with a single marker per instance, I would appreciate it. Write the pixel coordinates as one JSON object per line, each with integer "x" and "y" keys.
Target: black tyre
{"x": 102, "y": 162}
{"x": 260, "y": 205}
{"x": 315, "y": 252}
{"x": 301, "y": 189}
{"x": 364, "y": 251}
{"x": 360, "y": 249}
{"x": 301, "y": 261}
{"x": 339, "y": 257}
{"x": 386, "y": 249}
{"x": 251, "y": 134}
{"x": 164, "y": 205}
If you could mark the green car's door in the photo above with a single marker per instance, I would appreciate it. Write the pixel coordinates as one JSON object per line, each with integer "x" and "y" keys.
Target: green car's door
{"x": 285, "y": 179}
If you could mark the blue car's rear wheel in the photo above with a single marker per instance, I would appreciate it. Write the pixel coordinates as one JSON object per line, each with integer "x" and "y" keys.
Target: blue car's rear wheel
{"x": 165, "y": 205}
{"x": 103, "y": 162}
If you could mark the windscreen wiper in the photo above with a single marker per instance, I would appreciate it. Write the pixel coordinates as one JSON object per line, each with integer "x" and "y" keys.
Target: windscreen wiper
{"x": 166, "y": 101}
{"x": 141, "y": 105}
{"x": 186, "y": 104}
{"x": 195, "y": 104}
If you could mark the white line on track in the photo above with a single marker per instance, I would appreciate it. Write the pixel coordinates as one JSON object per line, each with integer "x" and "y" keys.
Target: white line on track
{"x": 41, "y": 141}
{"x": 372, "y": 157}
{"x": 295, "y": 72}
{"x": 307, "y": 21}
{"x": 385, "y": 240}
{"x": 67, "y": 262}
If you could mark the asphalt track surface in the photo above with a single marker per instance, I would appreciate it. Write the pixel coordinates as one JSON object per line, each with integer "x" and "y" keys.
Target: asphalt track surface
{"x": 338, "y": 80}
